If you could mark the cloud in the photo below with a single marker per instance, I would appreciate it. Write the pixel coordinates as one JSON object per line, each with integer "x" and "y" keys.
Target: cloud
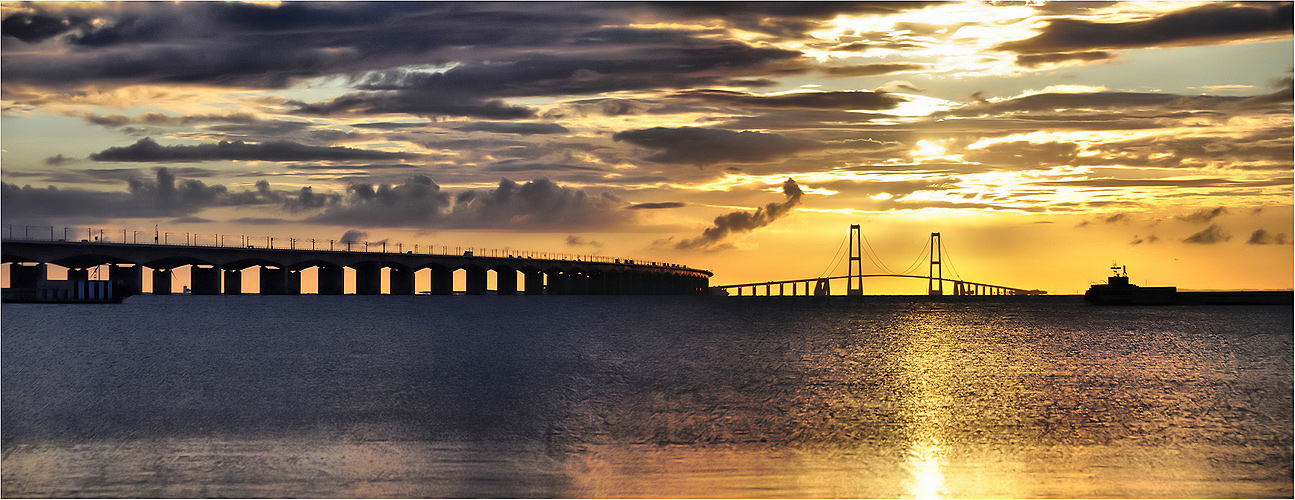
{"x": 1203, "y": 215}
{"x": 514, "y": 128}
{"x": 538, "y": 205}
{"x": 1263, "y": 237}
{"x": 744, "y": 222}
{"x": 34, "y": 28}
{"x": 58, "y": 160}
{"x": 578, "y": 241}
{"x": 306, "y": 199}
{"x": 656, "y": 206}
{"x": 703, "y": 146}
{"x": 524, "y": 166}
{"x": 414, "y": 102}
{"x": 1208, "y": 236}
{"x": 148, "y": 150}
{"x": 165, "y": 195}
{"x": 353, "y": 236}
{"x": 1195, "y": 25}
{"x": 1036, "y": 60}
{"x": 1112, "y": 219}
{"x": 843, "y": 100}
{"x": 1151, "y": 238}
{"x": 1025, "y": 154}
{"x": 872, "y": 69}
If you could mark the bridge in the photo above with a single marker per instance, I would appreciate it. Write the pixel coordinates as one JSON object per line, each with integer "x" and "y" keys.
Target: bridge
{"x": 216, "y": 264}
{"x": 822, "y": 285}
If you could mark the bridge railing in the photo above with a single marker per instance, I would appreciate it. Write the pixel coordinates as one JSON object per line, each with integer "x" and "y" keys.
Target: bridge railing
{"x": 217, "y": 240}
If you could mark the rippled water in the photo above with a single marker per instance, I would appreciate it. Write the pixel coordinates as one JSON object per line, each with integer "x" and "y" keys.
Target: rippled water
{"x": 318, "y": 396}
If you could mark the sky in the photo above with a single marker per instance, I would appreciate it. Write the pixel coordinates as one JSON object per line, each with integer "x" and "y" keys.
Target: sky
{"x": 1045, "y": 142}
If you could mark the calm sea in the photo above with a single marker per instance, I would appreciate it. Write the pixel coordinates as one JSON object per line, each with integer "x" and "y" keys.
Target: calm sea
{"x": 317, "y": 396}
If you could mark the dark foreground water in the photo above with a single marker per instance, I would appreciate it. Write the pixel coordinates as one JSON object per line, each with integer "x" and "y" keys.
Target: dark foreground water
{"x": 643, "y": 397}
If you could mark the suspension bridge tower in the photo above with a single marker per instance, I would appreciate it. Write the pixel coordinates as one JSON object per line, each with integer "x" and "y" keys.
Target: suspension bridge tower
{"x": 855, "y": 279}
{"x": 935, "y": 274}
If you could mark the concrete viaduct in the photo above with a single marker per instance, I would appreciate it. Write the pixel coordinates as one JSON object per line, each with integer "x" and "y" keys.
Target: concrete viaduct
{"x": 281, "y": 270}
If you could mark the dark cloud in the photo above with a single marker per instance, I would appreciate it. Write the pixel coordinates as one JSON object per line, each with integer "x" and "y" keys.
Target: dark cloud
{"x": 744, "y": 222}
{"x": 258, "y": 221}
{"x": 1196, "y": 25}
{"x": 391, "y": 125}
{"x": 58, "y": 159}
{"x": 477, "y": 89}
{"x": 353, "y": 236}
{"x": 415, "y": 102}
{"x": 703, "y": 146}
{"x": 538, "y": 205}
{"x": 579, "y": 241}
{"x": 1036, "y": 60}
{"x": 844, "y": 100}
{"x": 656, "y": 206}
{"x": 525, "y": 166}
{"x": 1208, "y": 236}
{"x": 1203, "y": 215}
{"x": 164, "y": 195}
{"x": 1151, "y": 238}
{"x": 306, "y": 199}
{"x": 119, "y": 120}
{"x": 1114, "y": 218}
{"x": 872, "y": 69}
{"x": 1025, "y": 154}
{"x": 514, "y": 128}
{"x": 148, "y": 150}
{"x": 1263, "y": 237}
{"x": 33, "y": 28}
{"x": 777, "y": 19}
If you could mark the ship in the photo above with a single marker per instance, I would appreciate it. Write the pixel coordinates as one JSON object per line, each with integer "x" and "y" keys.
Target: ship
{"x": 1118, "y": 291}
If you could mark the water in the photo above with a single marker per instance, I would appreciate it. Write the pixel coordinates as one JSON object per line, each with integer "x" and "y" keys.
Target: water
{"x": 317, "y": 396}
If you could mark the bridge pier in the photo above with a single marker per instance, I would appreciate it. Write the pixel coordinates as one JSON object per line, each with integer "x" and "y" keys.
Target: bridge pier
{"x": 161, "y": 282}
{"x": 274, "y": 281}
{"x": 292, "y": 283}
{"x": 557, "y": 283}
{"x": 505, "y": 282}
{"x": 131, "y": 279}
{"x": 442, "y": 281}
{"x": 204, "y": 280}
{"x": 79, "y": 274}
{"x": 233, "y": 281}
{"x": 368, "y": 278}
{"x": 477, "y": 282}
{"x": 534, "y": 282}
{"x": 21, "y": 276}
{"x": 332, "y": 280}
{"x": 578, "y": 283}
{"x": 402, "y": 281}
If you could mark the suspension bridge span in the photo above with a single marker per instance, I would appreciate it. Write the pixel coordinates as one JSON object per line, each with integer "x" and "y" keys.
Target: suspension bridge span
{"x": 821, "y": 285}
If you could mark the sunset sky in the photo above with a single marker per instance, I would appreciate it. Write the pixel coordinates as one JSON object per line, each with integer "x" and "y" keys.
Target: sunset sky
{"x": 1044, "y": 141}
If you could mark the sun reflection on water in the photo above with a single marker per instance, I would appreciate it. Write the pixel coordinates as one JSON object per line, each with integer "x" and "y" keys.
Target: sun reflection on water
{"x": 926, "y": 465}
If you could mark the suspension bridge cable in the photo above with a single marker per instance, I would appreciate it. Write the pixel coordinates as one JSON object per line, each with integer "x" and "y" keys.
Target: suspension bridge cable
{"x": 918, "y": 261}
{"x": 951, "y": 266}
{"x": 868, "y": 246}
{"x": 835, "y": 256}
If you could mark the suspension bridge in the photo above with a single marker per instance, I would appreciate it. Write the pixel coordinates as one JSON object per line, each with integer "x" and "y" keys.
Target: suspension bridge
{"x": 822, "y": 284}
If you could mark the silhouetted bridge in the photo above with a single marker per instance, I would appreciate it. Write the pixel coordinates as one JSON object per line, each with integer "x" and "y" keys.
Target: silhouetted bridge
{"x": 281, "y": 269}
{"x": 822, "y": 286}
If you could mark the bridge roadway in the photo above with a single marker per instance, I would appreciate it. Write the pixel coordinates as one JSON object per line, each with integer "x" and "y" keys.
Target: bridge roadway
{"x": 280, "y": 272}
{"x": 821, "y": 287}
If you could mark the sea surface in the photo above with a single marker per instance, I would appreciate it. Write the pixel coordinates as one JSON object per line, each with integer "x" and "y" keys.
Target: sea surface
{"x": 387, "y": 396}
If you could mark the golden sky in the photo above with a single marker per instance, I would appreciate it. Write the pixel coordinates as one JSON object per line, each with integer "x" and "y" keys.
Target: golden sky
{"x": 1044, "y": 141}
